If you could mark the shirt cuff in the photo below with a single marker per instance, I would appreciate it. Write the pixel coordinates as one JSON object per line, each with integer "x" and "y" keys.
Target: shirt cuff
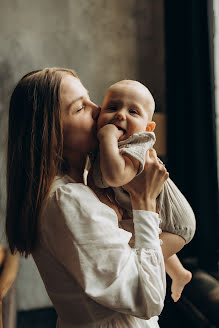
{"x": 146, "y": 225}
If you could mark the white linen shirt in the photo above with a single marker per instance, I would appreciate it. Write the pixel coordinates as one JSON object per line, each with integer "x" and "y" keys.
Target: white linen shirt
{"x": 92, "y": 275}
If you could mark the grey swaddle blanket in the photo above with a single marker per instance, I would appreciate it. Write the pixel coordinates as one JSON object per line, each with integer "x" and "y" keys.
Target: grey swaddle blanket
{"x": 176, "y": 213}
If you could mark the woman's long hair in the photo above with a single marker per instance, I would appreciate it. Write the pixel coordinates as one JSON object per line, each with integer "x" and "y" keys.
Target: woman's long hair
{"x": 35, "y": 153}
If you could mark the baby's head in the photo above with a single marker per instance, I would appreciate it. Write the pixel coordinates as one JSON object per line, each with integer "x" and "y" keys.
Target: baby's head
{"x": 130, "y": 106}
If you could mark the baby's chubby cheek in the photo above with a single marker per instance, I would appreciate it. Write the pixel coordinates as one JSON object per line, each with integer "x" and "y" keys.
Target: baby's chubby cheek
{"x": 101, "y": 121}
{"x": 98, "y": 123}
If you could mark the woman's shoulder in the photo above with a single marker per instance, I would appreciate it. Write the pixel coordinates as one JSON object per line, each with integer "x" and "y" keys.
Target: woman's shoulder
{"x": 65, "y": 182}
{"x": 64, "y": 188}
{"x": 74, "y": 198}
{"x": 74, "y": 208}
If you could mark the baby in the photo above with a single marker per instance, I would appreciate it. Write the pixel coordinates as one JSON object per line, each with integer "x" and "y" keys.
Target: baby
{"x": 125, "y": 133}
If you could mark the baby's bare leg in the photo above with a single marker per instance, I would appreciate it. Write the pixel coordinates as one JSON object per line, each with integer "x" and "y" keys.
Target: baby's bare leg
{"x": 179, "y": 275}
{"x": 172, "y": 244}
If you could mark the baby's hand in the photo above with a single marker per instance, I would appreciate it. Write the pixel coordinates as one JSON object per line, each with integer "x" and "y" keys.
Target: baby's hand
{"x": 109, "y": 131}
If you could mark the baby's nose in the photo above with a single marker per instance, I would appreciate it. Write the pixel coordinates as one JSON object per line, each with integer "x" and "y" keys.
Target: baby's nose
{"x": 120, "y": 115}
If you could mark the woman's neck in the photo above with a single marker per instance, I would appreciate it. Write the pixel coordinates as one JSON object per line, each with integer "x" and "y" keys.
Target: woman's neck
{"x": 75, "y": 175}
{"x": 76, "y": 165}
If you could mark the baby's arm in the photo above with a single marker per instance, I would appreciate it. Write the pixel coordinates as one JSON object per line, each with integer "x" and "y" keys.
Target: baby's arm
{"x": 117, "y": 169}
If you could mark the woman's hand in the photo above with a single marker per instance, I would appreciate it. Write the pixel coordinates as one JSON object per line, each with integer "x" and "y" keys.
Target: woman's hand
{"x": 145, "y": 188}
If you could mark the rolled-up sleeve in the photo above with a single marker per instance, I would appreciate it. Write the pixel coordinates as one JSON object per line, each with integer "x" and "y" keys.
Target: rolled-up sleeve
{"x": 83, "y": 235}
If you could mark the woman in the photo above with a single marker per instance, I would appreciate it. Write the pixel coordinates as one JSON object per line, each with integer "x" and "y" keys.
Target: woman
{"x": 91, "y": 274}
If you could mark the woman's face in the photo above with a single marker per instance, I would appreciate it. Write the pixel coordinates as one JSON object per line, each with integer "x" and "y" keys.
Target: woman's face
{"x": 79, "y": 117}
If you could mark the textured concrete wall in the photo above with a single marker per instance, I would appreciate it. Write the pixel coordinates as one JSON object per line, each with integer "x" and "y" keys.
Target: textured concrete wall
{"x": 103, "y": 40}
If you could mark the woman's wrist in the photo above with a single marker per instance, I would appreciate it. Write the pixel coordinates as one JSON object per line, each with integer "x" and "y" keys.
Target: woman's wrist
{"x": 143, "y": 204}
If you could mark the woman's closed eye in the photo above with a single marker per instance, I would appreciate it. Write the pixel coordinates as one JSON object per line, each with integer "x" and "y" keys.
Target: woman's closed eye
{"x": 80, "y": 109}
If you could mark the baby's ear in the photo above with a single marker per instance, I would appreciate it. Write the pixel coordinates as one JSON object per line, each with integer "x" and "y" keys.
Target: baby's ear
{"x": 151, "y": 126}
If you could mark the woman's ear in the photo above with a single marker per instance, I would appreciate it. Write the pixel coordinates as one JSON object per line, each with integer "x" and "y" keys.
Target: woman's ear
{"x": 151, "y": 126}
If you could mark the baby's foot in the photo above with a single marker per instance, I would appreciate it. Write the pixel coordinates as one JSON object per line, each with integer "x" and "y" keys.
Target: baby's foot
{"x": 179, "y": 282}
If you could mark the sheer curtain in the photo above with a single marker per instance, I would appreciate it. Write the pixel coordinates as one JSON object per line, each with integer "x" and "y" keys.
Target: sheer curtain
{"x": 191, "y": 124}
{"x": 216, "y": 64}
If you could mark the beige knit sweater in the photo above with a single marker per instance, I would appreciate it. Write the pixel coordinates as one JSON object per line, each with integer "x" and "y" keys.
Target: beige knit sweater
{"x": 176, "y": 213}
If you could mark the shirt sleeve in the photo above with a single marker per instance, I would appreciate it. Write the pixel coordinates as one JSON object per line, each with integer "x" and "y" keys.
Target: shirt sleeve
{"x": 137, "y": 145}
{"x": 83, "y": 235}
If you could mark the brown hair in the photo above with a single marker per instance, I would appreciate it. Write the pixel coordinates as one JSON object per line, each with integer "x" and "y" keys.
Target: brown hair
{"x": 35, "y": 153}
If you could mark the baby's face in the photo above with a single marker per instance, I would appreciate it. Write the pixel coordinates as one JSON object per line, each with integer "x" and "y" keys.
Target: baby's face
{"x": 129, "y": 106}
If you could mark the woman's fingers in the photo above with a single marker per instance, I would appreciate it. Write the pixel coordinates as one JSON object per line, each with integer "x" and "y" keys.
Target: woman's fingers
{"x": 148, "y": 184}
{"x": 156, "y": 167}
{"x": 152, "y": 156}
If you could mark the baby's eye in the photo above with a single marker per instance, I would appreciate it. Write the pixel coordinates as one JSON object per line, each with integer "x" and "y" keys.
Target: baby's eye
{"x": 133, "y": 111}
{"x": 112, "y": 108}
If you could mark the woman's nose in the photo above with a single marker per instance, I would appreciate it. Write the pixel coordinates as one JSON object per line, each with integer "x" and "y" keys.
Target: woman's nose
{"x": 95, "y": 111}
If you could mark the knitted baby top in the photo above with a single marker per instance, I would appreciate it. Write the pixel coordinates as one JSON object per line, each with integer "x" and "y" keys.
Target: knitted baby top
{"x": 176, "y": 213}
